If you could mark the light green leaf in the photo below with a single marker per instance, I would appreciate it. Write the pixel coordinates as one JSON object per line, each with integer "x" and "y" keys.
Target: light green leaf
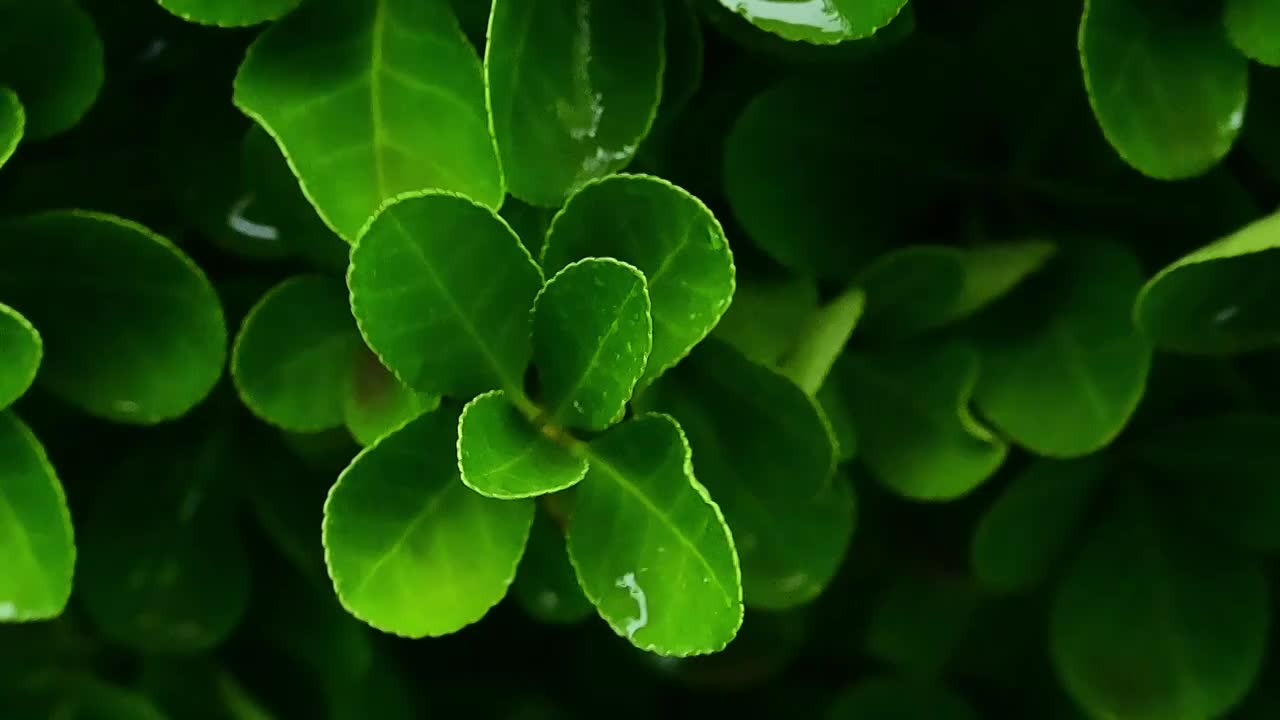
{"x": 667, "y": 234}
{"x": 20, "y": 351}
{"x": 230, "y": 13}
{"x": 370, "y": 99}
{"x": 650, "y": 547}
{"x": 1218, "y": 299}
{"x": 592, "y": 334}
{"x": 410, "y": 549}
{"x": 1063, "y": 367}
{"x": 763, "y": 449}
{"x": 1167, "y": 88}
{"x": 442, "y": 290}
{"x": 916, "y": 433}
{"x": 1254, "y": 28}
{"x": 1156, "y": 624}
{"x": 764, "y": 318}
{"x": 1022, "y": 535}
{"x": 821, "y": 22}
{"x": 294, "y": 353}
{"x": 821, "y": 340}
{"x": 376, "y": 402}
{"x": 13, "y": 121}
{"x": 887, "y": 698}
{"x": 546, "y": 586}
{"x": 133, "y": 332}
{"x": 57, "y": 82}
{"x": 573, "y": 87}
{"x": 501, "y": 454}
{"x": 35, "y": 529}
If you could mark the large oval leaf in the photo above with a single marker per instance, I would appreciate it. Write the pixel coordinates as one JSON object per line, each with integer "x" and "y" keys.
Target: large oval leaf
{"x": 573, "y": 87}
{"x": 370, "y": 99}
{"x": 1220, "y": 298}
{"x": 1153, "y": 623}
{"x": 20, "y": 352}
{"x": 651, "y": 549}
{"x": 230, "y": 13}
{"x": 411, "y": 550}
{"x": 57, "y": 82}
{"x": 35, "y": 529}
{"x": 666, "y": 233}
{"x": 1167, "y": 88}
{"x": 502, "y": 454}
{"x": 13, "y": 122}
{"x": 133, "y": 332}
{"x": 1254, "y": 28}
{"x": 442, "y": 289}
{"x": 822, "y": 22}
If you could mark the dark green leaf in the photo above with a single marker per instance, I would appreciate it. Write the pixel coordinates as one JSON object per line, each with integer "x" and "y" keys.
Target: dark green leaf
{"x": 886, "y": 698}
{"x": 821, "y": 339}
{"x": 1254, "y": 28}
{"x": 765, "y": 317}
{"x": 58, "y": 81}
{"x": 229, "y": 13}
{"x": 20, "y": 352}
{"x": 501, "y": 454}
{"x": 546, "y": 586}
{"x": 919, "y": 620}
{"x": 821, "y": 22}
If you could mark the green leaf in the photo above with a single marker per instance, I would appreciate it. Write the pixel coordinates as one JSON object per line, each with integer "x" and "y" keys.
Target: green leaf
{"x": 821, "y": 22}
{"x": 35, "y": 529}
{"x": 573, "y": 87}
{"x": 1023, "y": 534}
{"x": 763, "y": 449}
{"x": 501, "y": 454}
{"x": 592, "y": 335}
{"x": 78, "y": 696}
{"x": 57, "y": 82}
{"x": 230, "y": 13}
{"x": 821, "y": 339}
{"x": 667, "y": 234}
{"x": 1253, "y": 26}
{"x": 763, "y": 320}
{"x": 132, "y": 330}
{"x": 410, "y": 549}
{"x": 370, "y": 99}
{"x": 294, "y": 353}
{"x": 918, "y": 621}
{"x": 376, "y": 402}
{"x": 1167, "y": 88}
{"x": 916, "y": 433}
{"x": 992, "y": 270}
{"x": 650, "y": 547}
{"x": 442, "y": 290}
{"x": 1063, "y": 366}
{"x": 887, "y": 698}
{"x": 1156, "y": 624}
{"x": 546, "y": 586}
{"x": 20, "y": 351}
{"x": 1217, "y": 299}
{"x": 13, "y": 121}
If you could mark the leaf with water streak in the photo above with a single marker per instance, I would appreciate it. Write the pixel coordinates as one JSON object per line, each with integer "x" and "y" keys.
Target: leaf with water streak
{"x": 20, "y": 352}
{"x": 821, "y": 22}
{"x": 230, "y": 13}
{"x": 501, "y": 454}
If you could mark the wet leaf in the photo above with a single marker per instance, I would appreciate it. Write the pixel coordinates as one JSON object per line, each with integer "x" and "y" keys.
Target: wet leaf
{"x": 821, "y": 22}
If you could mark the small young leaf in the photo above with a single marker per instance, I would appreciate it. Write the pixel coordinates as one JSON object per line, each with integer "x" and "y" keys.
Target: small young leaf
{"x": 1218, "y": 299}
{"x": 442, "y": 290}
{"x": 1023, "y": 534}
{"x": 20, "y": 352}
{"x": 1152, "y": 623}
{"x": 230, "y": 13}
{"x": 294, "y": 352}
{"x": 764, "y": 450}
{"x": 821, "y": 22}
{"x": 1254, "y": 28}
{"x": 765, "y": 316}
{"x": 502, "y": 455}
{"x": 410, "y": 549}
{"x": 375, "y": 402}
{"x": 887, "y": 698}
{"x": 592, "y": 334}
{"x": 370, "y": 99}
{"x": 13, "y": 121}
{"x": 1063, "y": 367}
{"x": 546, "y": 586}
{"x": 133, "y": 332}
{"x": 1142, "y": 59}
{"x": 910, "y": 407}
{"x": 35, "y": 529}
{"x": 650, "y": 547}
{"x": 57, "y": 82}
{"x": 573, "y": 87}
{"x": 666, "y": 233}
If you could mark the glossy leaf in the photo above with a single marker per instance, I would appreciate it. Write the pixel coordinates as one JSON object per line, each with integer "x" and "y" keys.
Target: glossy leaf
{"x": 899, "y": 699}
{"x": 442, "y": 290}
{"x": 410, "y": 549}
{"x": 765, "y": 316}
{"x": 916, "y": 433}
{"x": 573, "y": 87}
{"x": 132, "y": 330}
{"x": 375, "y": 402}
{"x": 1022, "y": 536}
{"x": 1254, "y": 28}
{"x": 294, "y": 353}
{"x": 1217, "y": 299}
{"x": 501, "y": 454}
{"x": 20, "y": 352}
{"x": 1063, "y": 367}
{"x": 667, "y": 234}
{"x": 56, "y": 82}
{"x": 35, "y": 529}
{"x": 821, "y": 22}
{"x": 13, "y": 122}
{"x": 229, "y": 13}
{"x": 1144, "y": 58}
{"x": 1151, "y": 623}
{"x": 369, "y": 100}
{"x": 650, "y": 547}
{"x": 592, "y": 334}
{"x": 546, "y": 586}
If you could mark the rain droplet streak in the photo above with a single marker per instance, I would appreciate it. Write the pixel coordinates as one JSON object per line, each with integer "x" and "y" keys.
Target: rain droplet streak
{"x": 243, "y": 225}
{"x": 816, "y": 14}
{"x": 628, "y": 583}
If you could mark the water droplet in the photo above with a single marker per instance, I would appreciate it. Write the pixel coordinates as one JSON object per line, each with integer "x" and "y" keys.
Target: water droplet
{"x": 816, "y": 14}
{"x": 238, "y": 222}
{"x": 1226, "y": 314}
{"x": 793, "y": 582}
{"x": 628, "y": 583}
{"x": 548, "y": 601}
